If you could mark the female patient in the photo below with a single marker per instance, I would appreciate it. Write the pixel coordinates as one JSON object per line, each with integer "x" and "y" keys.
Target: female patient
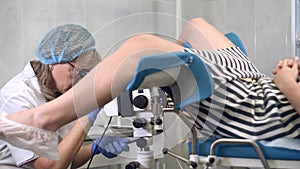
{"x": 263, "y": 104}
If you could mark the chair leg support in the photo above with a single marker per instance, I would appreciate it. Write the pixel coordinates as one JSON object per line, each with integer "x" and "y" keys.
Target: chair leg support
{"x": 241, "y": 141}
{"x": 193, "y": 162}
{"x": 190, "y": 163}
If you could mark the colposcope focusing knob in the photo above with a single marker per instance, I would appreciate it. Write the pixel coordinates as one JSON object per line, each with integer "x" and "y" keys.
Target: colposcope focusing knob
{"x": 142, "y": 142}
{"x": 139, "y": 122}
{"x": 140, "y": 101}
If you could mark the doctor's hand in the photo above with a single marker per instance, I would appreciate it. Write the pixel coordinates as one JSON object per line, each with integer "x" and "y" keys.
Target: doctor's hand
{"x": 110, "y": 146}
{"x": 93, "y": 115}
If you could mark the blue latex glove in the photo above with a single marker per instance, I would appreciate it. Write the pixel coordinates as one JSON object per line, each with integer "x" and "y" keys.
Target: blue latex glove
{"x": 93, "y": 115}
{"x": 110, "y": 146}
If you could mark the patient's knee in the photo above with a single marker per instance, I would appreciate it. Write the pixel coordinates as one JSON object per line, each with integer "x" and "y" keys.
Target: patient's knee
{"x": 150, "y": 44}
{"x": 141, "y": 40}
{"x": 198, "y": 21}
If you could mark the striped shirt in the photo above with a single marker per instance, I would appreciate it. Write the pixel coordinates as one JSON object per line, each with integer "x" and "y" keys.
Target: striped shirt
{"x": 239, "y": 108}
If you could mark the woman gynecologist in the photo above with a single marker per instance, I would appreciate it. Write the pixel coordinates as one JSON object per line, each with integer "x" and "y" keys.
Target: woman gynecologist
{"x": 66, "y": 54}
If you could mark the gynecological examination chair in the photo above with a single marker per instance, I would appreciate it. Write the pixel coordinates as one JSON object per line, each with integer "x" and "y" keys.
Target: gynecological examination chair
{"x": 166, "y": 83}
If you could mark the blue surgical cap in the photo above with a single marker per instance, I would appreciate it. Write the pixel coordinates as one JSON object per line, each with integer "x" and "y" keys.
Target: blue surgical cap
{"x": 64, "y": 43}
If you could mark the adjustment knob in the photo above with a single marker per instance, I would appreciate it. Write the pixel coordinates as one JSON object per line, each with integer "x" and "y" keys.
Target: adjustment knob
{"x": 194, "y": 164}
{"x": 158, "y": 121}
{"x": 139, "y": 122}
{"x": 140, "y": 101}
{"x": 133, "y": 165}
{"x": 165, "y": 151}
{"x": 141, "y": 142}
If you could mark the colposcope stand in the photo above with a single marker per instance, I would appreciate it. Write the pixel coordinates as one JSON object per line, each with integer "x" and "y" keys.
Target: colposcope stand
{"x": 148, "y": 106}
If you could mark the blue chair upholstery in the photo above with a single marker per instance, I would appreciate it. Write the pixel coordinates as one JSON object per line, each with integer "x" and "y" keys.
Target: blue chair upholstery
{"x": 151, "y": 64}
{"x": 155, "y": 63}
{"x": 235, "y": 39}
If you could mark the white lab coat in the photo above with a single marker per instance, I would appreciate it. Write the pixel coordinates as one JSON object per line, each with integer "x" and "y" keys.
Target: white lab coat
{"x": 22, "y": 92}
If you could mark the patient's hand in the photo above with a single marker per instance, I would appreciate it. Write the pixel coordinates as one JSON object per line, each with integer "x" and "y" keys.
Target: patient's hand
{"x": 286, "y": 71}
{"x": 285, "y": 78}
{"x": 289, "y": 63}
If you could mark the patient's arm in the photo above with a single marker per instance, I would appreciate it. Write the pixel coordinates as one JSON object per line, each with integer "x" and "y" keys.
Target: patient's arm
{"x": 292, "y": 92}
{"x": 286, "y": 75}
{"x": 203, "y": 36}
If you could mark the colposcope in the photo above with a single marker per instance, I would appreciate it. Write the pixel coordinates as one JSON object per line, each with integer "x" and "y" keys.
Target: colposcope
{"x": 162, "y": 83}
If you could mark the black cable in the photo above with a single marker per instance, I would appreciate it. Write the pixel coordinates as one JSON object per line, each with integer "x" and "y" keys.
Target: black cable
{"x": 99, "y": 141}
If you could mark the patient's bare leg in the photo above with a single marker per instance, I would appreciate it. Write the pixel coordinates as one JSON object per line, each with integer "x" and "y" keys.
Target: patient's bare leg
{"x": 110, "y": 76}
{"x": 203, "y": 36}
{"x": 105, "y": 81}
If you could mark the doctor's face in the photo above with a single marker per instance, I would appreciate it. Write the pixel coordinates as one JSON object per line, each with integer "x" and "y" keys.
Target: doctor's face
{"x": 67, "y": 74}
{"x": 62, "y": 74}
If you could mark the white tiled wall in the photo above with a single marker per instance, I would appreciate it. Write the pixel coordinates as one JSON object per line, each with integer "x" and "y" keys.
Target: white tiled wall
{"x": 264, "y": 26}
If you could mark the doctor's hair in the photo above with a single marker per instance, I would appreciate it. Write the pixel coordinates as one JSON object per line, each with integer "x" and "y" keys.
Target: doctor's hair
{"x": 88, "y": 60}
{"x": 45, "y": 79}
{"x": 85, "y": 61}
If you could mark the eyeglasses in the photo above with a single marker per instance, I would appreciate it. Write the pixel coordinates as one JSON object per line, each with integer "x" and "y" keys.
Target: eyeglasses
{"x": 78, "y": 74}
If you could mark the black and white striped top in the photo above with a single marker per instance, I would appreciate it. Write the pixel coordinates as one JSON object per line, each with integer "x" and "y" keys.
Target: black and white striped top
{"x": 238, "y": 108}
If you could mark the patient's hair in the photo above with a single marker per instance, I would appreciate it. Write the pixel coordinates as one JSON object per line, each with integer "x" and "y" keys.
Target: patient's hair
{"x": 85, "y": 61}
